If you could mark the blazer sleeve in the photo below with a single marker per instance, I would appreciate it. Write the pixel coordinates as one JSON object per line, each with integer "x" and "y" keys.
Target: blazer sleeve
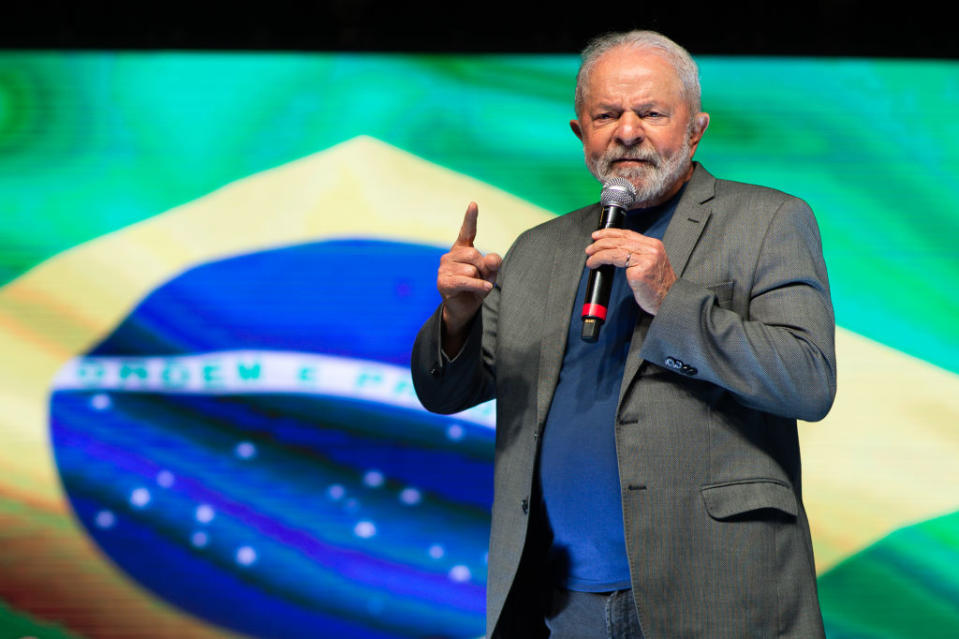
{"x": 779, "y": 355}
{"x": 445, "y": 385}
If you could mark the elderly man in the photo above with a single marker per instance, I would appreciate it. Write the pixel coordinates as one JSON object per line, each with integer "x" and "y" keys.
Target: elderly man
{"x": 648, "y": 484}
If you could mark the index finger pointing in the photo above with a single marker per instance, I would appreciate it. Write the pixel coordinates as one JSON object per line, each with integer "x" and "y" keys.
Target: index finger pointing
{"x": 468, "y": 230}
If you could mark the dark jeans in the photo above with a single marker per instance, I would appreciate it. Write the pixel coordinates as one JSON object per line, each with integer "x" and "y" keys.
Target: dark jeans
{"x": 593, "y": 615}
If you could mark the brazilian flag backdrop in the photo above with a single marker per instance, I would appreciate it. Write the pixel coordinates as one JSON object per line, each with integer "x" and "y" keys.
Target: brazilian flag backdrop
{"x": 212, "y": 268}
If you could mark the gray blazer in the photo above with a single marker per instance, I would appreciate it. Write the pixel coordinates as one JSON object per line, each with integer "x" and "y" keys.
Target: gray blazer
{"x": 716, "y": 532}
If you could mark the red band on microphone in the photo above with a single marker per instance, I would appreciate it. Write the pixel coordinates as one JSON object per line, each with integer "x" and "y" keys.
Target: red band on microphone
{"x": 594, "y": 310}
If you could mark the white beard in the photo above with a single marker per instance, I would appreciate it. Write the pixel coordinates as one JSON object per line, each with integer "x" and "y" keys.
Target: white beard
{"x": 653, "y": 179}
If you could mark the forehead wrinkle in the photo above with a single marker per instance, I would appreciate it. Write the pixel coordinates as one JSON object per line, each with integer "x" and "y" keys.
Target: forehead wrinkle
{"x": 631, "y": 74}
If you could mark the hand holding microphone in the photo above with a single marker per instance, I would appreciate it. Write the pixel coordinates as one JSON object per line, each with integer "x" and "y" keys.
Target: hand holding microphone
{"x": 648, "y": 271}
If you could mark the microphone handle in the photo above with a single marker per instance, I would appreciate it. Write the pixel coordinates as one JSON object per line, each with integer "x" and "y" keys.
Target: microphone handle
{"x": 600, "y": 282}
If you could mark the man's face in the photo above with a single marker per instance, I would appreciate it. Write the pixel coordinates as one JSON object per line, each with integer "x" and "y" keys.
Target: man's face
{"x": 636, "y": 124}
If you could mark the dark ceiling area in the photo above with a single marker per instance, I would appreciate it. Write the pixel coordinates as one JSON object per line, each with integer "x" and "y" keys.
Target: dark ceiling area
{"x": 752, "y": 27}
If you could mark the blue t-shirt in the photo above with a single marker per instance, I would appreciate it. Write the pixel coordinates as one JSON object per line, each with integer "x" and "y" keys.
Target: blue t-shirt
{"x": 578, "y": 471}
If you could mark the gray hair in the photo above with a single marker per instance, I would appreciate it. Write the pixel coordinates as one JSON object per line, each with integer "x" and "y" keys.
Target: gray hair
{"x": 677, "y": 56}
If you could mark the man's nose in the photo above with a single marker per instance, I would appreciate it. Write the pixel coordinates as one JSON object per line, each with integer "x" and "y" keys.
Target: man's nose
{"x": 629, "y": 129}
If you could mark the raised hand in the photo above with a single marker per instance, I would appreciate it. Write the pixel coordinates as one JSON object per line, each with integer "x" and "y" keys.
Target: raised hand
{"x": 464, "y": 279}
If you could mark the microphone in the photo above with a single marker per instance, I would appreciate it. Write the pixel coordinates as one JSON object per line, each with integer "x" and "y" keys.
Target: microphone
{"x": 617, "y": 197}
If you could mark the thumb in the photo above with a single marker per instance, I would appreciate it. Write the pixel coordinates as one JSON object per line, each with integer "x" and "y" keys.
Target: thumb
{"x": 491, "y": 264}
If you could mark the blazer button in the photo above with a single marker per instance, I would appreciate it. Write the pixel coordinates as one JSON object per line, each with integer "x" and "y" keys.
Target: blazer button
{"x": 675, "y": 364}
{"x": 525, "y": 506}
{"x": 436, "y": 371}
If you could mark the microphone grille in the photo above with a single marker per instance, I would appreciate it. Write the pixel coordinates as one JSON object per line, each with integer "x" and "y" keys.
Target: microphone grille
{"x": 619, "y": 192}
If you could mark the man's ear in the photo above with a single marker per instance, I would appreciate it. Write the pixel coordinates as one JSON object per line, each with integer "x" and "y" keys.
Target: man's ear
{"x": 700, "y": 123}
{"x": 577, "y": 129}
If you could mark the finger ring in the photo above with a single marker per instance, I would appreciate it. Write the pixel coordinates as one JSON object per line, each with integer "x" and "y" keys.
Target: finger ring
{"x": 628, "y": 256}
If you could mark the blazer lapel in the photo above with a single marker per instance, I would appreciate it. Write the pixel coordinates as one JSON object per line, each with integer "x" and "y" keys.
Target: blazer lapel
{"x": 569, "y": 259}
{"x": 689, "y": 220}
